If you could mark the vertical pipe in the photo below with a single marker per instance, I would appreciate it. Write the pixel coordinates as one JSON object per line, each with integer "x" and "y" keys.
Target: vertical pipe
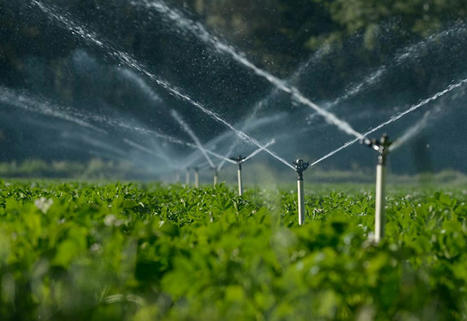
{"x": 187, "y": 178}
{"x": 239, "y": 178}
{"x": 301, "y": 201}
{"x": 196, "y": 178}
{"x": 382, "y": 147}
{"x": 300, "y": 167}
{"x": 380, "y": 201}
{"x": 216, "y": 176}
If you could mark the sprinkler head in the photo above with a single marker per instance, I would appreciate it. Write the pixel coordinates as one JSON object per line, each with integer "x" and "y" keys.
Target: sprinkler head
{"x": 381, "y": 146}
{"x": 368, "y": 142}
{"x": 238, "y": 159}
{"x": 300, "y": 167}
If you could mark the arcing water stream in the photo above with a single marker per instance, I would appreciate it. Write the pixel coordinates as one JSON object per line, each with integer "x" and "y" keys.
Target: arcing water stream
{"x": 27, "y": 102}
{"x": 146, "y": 150}
{"x": 411, "y": 132}
{"x": 411, "y": 52}
{"x": 131, "y": 76}
{"x": 249, "y": 123}
{"x": 167, "y": 138}
{"x": 102, "y": 146}
{"x": 252, "y": 125}
{"x": 12, "y": 98}
{"x": 130, "y": 62}
{"x": 193, "y": 136}
{"x": 259, "y": 150}
{"x": 394, "y": 118}
{"x": 264, "y": 101}
{"x": 198, "y": 30}
{"x": 173, "y": 140}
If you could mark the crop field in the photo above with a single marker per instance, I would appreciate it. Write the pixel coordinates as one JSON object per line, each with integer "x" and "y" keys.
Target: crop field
{"x": 79, "y": 251}
{"x": 267, "y": 160}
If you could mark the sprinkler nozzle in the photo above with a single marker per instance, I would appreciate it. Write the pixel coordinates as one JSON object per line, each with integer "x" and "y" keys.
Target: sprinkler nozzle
{"x": 381, "y": 146}
{"x": 238, "y": 159}
{"x": 366, "y": 141}
{"x": 300, "y": 167}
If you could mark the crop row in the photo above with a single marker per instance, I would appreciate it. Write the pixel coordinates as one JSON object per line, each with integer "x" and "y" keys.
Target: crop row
{"x": 75, "y": 251}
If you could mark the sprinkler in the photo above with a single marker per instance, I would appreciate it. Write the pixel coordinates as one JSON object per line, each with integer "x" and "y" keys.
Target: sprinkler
{"x": 382, "y": 147}
{"x": 177, "y": 177}
{"x": 239, "y": 160}
{"x": 196, "y": 170}
{"x": 187, "y": 177}
{"x": 216, "y": 175}
{"x": 300, "y": 167}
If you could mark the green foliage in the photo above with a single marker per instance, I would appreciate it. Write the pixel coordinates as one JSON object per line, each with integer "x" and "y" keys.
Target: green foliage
{"x": 147, "y": 252}
{"x": 93, "y": 169}
{"x": 416, "y": 16}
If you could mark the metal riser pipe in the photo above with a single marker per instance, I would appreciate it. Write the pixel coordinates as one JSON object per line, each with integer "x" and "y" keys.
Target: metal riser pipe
{"x": 300, "y": 167}
{"x": 187, "y": 178}
{"x": 382, "y": 147}
{"x": 301, "y": 202}
{"x": 196, "y": 179}
{"x": 240, "y": 182}
{"x": 380, "y": 202}
{"x": 216, "y": 178}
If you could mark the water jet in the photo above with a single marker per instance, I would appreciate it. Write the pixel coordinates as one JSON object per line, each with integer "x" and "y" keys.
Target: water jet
{"x": 193, "y": 136}
{"x": 202, "y": 33}
{"x": 130, "y": 62}
{"x": 393, "y": 119}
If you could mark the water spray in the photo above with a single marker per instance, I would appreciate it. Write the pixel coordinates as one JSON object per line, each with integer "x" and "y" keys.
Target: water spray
{"x": 275, "y": 92}
{"x": 192, "y": 134}
{"x": 300, "y": 167}
{"x": 202, "y": 33}
{"x": 34, "y": 104}
{"x": 382, "y": 147}
{"x": 393, "y": 119}
{"x": 239, "y": 160}
{"x": 127, "y": 60}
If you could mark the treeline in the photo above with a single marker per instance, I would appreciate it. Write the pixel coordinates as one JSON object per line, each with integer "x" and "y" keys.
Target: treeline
{"x": 94, "y": 169}
{"x": 286, "y": 29}
{"x": 256, "y": 174}
{"x": 275, "y": 33}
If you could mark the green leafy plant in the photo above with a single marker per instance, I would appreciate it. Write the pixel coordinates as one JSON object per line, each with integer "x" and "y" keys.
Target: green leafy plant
{"x": 76, "y": 251}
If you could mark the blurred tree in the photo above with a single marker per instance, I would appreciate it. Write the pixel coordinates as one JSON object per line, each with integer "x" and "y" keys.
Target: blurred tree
{"x": 274, "y": 32}
{"x": 420, "y": 17}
